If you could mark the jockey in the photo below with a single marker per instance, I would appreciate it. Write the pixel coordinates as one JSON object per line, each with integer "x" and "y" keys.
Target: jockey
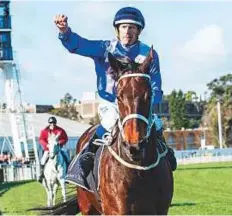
{"x": 43, "y": 140}
{"x": 128, "y": 23}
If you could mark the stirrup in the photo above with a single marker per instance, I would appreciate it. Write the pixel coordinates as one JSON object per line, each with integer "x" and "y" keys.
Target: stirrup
{"x": 105, "y": 141}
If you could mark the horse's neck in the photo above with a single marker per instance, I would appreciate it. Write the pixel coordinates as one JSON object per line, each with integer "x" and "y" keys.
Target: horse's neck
{"x": 57, "y": 160}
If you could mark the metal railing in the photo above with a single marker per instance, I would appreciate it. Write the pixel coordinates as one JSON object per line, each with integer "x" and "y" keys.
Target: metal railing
{"x": 9, "y": 173}
{"x": 203, "y": 156}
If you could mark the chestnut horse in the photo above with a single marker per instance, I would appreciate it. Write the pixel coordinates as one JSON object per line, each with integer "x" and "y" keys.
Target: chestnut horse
{"x": 135, "y": 176}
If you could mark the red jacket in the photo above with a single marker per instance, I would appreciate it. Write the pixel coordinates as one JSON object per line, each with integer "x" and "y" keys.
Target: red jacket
{"x": 43, "y": 139}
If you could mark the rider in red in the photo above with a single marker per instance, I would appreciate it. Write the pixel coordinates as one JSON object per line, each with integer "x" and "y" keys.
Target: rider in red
{"x": 43, "y": 140}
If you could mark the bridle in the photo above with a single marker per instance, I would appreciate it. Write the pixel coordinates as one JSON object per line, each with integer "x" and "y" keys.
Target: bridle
{"x": 149, "y": 121}
{"x": 107, "y": 139}
{"x": 57, "y": 148}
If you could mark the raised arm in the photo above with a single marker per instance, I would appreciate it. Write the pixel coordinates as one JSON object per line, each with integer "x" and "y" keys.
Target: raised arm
{"x": 75, "y": 43}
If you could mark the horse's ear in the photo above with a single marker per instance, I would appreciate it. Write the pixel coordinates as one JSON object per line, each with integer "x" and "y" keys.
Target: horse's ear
{"x": 144, "y": 67}
{"x": 114, "y": 63}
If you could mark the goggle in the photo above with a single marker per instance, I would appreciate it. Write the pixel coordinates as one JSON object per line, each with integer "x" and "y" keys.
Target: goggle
{"x": 52, "y": 122}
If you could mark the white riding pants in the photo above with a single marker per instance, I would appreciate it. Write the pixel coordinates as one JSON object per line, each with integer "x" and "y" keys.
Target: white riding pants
{"x": 108, "y": 115}
{"x": 44, "y": 158}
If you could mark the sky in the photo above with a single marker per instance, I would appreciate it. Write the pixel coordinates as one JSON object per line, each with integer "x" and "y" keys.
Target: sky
{"x": 192, "y": 38}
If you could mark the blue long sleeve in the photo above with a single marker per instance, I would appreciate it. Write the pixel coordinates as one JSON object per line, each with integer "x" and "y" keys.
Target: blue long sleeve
{"x": 98, "y": 49}
{"x": 156, "y": 79}
{"x": 74, "y": 43}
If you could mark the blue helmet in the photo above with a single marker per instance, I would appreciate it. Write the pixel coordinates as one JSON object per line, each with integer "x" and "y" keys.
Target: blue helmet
{"x": 129, "y": 15}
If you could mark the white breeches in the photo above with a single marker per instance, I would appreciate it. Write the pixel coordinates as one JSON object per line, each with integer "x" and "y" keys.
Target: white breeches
{"x": 44, "y": 158}
{"x": 108, "y": 115}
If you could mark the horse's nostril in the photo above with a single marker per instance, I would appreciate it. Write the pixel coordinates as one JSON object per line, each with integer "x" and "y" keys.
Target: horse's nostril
{"x": 134, "y": 149}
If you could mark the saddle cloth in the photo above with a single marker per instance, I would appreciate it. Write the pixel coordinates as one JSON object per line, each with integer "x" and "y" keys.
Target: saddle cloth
{"x": 75, "y": 176}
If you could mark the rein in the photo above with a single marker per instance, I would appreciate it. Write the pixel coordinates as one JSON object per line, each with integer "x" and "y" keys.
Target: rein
{"x": 133, "y": 166}
{"x": 54, "y": 159}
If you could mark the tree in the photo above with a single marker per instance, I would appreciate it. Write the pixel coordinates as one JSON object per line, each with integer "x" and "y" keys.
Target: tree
{"x": 190, "y": 96}
{"x": 177, "y": 109}
{"x": 221, "y": 89}
{"x": 95, "y": 120}
{"x": 67, "y": 108}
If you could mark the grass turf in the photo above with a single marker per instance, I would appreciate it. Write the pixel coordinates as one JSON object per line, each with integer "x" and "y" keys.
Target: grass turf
{"x": 199, "y": 189}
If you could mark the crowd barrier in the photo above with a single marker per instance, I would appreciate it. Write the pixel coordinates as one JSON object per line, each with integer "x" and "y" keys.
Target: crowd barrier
{"x": 203, "y": 156}
{"x": 9, "y": 173}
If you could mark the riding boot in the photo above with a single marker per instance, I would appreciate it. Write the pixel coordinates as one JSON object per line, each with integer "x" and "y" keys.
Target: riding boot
{"x": 86, "y": 160}
{"x": 170, "y": 155}
{"x": 41, "y": 174}
{"x": 82, "y": 164}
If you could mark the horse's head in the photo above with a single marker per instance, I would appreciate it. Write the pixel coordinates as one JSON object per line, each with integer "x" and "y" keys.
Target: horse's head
{"x": 53, "y": 144}
{"x": 134, "y": 98}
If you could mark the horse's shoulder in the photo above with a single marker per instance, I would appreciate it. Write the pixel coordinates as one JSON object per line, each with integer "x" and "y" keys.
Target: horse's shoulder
{"x": 85, "y": 137}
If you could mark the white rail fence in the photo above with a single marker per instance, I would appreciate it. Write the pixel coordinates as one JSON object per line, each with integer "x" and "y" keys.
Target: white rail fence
{"x": 9, "y": 173}
{"x": 203, "y": 156}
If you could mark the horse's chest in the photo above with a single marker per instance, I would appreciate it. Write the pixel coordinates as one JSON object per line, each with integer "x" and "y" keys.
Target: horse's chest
{"x": 126, "y": 186}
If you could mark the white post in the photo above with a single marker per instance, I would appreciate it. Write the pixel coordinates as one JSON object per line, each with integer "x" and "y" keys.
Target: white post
{"x": 9, "y": 91}
{"x": 37, "y": 161}
{"x": 219, "y": 123}
{"x": 203, "y": 143}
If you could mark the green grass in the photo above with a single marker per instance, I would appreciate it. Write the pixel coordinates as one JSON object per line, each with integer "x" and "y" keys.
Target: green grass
{"x": 199, "y": 189}
{"x": 203, "y": 189}
{"x": 19, "y": 197}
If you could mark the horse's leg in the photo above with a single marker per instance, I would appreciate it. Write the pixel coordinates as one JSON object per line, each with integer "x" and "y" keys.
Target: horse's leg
{"x": 54, "y": 189}
{"x": 63, "y": 189}
{"x": 86, "y": 201}
{"x": 49, "y": 193}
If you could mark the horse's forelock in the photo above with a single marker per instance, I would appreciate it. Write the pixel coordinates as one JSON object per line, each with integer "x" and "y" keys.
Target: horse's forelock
{"x": 127, "y": 66}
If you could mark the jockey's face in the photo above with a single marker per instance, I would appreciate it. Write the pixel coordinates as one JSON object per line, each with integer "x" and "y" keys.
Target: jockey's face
{"x": 51, "y": 126}
{"x": 128, "y": 33}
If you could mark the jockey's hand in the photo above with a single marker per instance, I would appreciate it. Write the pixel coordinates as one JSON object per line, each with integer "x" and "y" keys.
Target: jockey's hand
{"x": 61, "y": 22}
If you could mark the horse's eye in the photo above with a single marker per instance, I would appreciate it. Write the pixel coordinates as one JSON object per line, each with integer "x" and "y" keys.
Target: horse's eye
{"x": 119, "y": 98}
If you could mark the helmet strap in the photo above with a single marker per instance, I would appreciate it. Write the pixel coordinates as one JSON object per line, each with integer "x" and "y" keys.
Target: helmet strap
{"x": 117, "y": 31}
